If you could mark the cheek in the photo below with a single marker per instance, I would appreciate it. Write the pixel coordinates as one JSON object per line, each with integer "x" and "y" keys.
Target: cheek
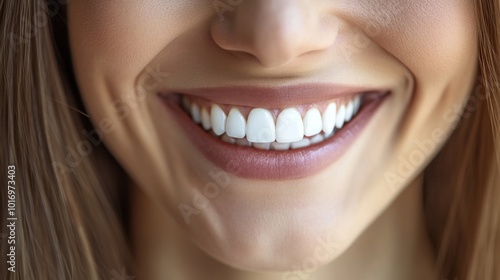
{"x": 116, "y": 40}
{"x": 112, "y": 43}
{"x": 434, "y": 39}
{"x": 436, "y": 42}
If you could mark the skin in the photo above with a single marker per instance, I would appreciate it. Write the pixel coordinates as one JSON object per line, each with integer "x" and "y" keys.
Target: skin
{"x": 424, "y": 51}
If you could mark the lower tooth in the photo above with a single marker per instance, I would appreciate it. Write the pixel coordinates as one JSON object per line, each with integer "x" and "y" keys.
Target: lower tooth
{"x": 316, "y": 139}
{"x": 262, "y": 146}
{"x": 275, "y": 145}
{"x": 300, "y": 144}
{"x": 280, "y": 146}
{"x": 326, "y": 136}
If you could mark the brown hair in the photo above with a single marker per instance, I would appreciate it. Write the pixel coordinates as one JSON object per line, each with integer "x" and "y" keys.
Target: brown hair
{"x": 70, "y": 207}
{"x": 462, "y": 184}
{"x": 68, "y": 224}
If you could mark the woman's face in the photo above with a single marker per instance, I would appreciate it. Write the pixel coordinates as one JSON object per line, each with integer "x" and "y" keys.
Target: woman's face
{"x": 265, "y": 127}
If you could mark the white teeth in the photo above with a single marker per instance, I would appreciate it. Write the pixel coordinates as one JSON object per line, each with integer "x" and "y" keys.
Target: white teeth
{"x": 357, "y": 104}
{"x": 262, "y": 146}
{"x": 280, "y": 146}
{"x": 340, "y": 117}
{"x": 316, "y": 139}
{"x": 329, "y": 134}
{"x": 195, "y": 113}
{"x": 289, "y": 126}
{"x": 349, "y": 110}
{"x": 300, "y": 144}
{"x": 205, "y": 119}
{"x": 218, "y": 119}
{"x": 329, "y": 116}
{"x": 261, "y": 131}
{"x": 236, "y": 124}
{"x": 260, "y": 126}
{"x": 313, "y": 124}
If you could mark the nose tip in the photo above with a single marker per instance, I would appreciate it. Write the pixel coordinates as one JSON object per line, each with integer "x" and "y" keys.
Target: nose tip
{"x": 275, "y": 32}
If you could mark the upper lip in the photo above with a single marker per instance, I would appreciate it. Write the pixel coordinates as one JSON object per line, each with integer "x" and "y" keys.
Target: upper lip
{"x": 276, "y": 97}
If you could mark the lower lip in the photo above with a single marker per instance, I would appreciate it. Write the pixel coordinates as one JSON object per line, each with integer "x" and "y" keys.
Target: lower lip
{"x": 251, "y": 163}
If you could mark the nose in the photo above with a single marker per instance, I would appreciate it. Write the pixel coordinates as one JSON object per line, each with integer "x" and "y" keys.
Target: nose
{"x": 275, "y": 32}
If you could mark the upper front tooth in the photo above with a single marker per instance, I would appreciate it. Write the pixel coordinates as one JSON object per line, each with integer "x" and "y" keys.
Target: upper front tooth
{"x": 340, "y": 117}
{"x": 349, "y": 111}
{"x": 205, "y": 119}
{"x": 218, "y": 118}
{"x": 195, "y": 113}
{"x": 235, "y": 124}
{"x": 329, "y": 118}
{"x": 260, "y": 126}
{"x": 312, "y": 122}
{"x": 289, "y": 126}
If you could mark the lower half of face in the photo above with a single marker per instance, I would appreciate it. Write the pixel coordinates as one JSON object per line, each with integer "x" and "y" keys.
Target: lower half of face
{"x": 264, "y": 124}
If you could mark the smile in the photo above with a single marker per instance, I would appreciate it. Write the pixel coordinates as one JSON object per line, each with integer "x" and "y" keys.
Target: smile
{"x": 273, "y": 129}
{"x": 271, "y": 142}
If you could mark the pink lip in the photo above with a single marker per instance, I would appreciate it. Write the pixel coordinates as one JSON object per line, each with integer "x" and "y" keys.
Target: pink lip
{"x": 273, "y": 165}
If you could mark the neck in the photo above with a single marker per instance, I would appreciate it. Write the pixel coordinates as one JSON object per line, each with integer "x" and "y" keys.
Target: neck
{"x": 395, "y": 246}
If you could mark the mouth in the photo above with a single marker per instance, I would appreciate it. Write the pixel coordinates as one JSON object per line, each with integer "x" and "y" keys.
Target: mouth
{"x": 258, "y": 134}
